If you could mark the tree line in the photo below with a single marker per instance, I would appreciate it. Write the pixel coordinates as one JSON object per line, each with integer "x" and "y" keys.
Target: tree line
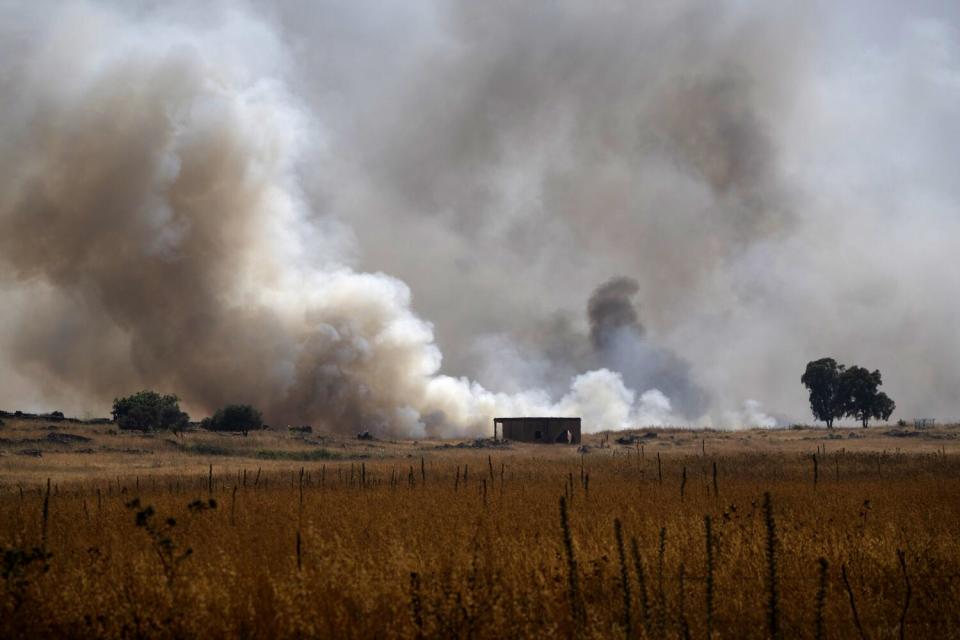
{"x": 151, "y": 411}
{"x": 837, "y": 391}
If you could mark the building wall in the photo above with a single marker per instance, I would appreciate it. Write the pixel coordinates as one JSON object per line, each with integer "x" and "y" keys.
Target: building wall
{"x": 541, "y": 430}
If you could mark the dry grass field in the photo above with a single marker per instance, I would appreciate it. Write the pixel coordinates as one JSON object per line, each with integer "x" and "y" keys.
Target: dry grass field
{"x": 754, "y": 534}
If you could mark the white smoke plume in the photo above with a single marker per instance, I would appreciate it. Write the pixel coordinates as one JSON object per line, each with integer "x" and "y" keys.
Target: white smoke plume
{"x": 264, "y": 203}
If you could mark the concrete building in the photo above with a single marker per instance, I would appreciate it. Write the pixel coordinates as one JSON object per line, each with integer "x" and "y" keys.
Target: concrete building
{"x": 542, "y": 430}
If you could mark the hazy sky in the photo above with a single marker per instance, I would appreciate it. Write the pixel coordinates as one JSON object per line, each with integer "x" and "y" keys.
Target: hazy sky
{"x": 304, "y": 204}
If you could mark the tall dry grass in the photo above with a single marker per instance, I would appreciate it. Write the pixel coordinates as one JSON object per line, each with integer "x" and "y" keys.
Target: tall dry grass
{"x": 379, "y": 550}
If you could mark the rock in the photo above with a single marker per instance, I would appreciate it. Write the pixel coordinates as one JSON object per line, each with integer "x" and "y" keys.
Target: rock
{"x": 67, "y": 438}
{"x": 634, "y": 438}
{"x": 34, "y": 453}
{"x": 301, "y": 429}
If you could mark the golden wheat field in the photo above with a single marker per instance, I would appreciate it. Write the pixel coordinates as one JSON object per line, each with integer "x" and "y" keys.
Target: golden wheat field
{"x": 681, "y": 535}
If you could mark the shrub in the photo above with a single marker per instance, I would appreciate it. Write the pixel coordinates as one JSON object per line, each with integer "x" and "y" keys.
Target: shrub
{"x": 207, "y": 449}
{"x": 234, "y": 417}
{"x": 148, "y": 410}
{"x": 302, "y": 456}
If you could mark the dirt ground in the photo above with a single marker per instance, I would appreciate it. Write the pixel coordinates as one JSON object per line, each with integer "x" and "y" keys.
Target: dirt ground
{"x": 33, "y": 449}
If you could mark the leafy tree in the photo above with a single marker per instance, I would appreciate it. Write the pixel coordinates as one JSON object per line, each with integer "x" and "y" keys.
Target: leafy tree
{"x": 862, "y": 398}
{"x": 884, "y": 407}
{"x": 148, "y": 410}
{"x": 234, "y": 417}
{"x": 822, "y": 379}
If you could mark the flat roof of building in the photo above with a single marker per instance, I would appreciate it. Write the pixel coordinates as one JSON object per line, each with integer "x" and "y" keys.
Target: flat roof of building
{"x": 534, "y": 418}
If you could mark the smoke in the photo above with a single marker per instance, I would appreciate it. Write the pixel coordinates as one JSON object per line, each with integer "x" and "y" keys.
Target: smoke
{"x": 152, "y": 191}
{"x": 152, "y": 195}
{"x": 619, "y": 340}
{"x": 265, "y": 203}
{"x": 610, "y": 312}
{"x": 616, "y": 341}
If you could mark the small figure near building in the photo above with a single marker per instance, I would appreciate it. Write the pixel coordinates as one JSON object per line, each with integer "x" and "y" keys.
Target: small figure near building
{"x": 540, "y": 430}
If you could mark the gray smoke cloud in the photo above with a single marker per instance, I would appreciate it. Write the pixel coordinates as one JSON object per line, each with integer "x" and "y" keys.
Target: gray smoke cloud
{"x": 619, "y": 340}
{"x": 615, "y": 341}
{"x": 301, "y": 205}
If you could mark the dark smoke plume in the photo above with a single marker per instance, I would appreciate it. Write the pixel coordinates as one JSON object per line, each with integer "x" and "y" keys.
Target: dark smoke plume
{"x": 610, "y": 310}
{"x": 621, "y": 345}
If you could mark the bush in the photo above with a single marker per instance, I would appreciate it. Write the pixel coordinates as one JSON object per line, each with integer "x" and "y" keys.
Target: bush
{"x": 301, "y": 456}
{"x": 148, "y": 411}
{"x": 234, "y": 417}
{"x": 207, "y": 449}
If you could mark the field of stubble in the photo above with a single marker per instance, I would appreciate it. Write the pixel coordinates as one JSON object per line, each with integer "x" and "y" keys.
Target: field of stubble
{"x": 422, "y": 540}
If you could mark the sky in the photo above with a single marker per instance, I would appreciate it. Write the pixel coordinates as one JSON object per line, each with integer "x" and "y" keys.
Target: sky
{"x": 409, "y": 217}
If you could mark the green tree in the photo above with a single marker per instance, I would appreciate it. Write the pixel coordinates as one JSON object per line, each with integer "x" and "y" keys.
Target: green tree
{"x": 234, "y": 417}
{"x": 884, "y": 407}
{"x": 862, "y": 399}
{"x": 822, "y": 379}
{"x": 148, "y": 411}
